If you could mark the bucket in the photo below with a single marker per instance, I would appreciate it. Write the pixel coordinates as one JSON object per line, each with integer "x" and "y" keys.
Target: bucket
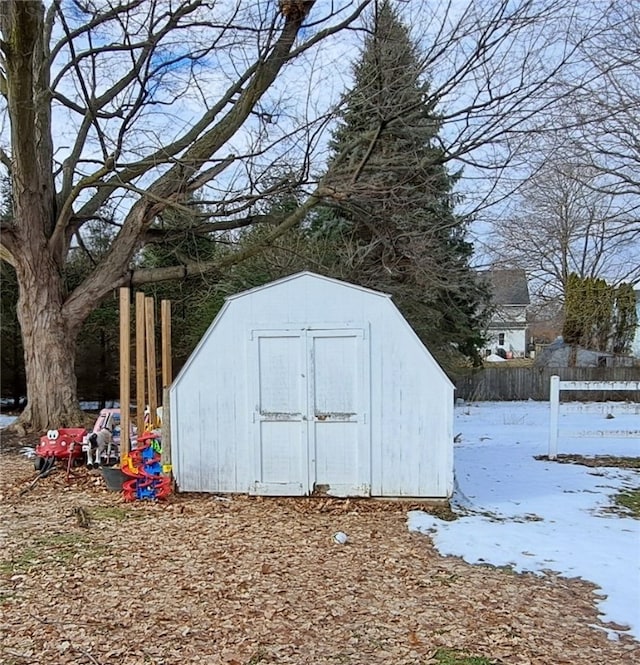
{"x": 114, "y": 478}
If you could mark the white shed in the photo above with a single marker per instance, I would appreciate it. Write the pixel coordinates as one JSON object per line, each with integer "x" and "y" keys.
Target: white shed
{"x": 311, "y": 385}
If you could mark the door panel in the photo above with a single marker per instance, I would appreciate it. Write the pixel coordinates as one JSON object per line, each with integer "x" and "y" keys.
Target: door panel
{"x": 335, "y": 366}
{"x": 338, "y": 441}
{"x": 281, "y": 452}
{"x": 336, "y": 449}
{"x": 280, "y": 444}
{"x": 280, "y": 377}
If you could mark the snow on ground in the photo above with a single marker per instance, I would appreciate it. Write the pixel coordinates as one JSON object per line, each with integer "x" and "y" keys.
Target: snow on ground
{"x": 540, "y": 515}
{"x": 5, "y": 421}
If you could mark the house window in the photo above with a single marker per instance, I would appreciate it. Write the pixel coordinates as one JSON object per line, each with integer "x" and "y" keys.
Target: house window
{"x": 602, "y": 361}
{"x": 500, "y": 339}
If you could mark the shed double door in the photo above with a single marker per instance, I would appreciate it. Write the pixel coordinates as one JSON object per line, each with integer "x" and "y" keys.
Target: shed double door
{"x": 310, "y": 412}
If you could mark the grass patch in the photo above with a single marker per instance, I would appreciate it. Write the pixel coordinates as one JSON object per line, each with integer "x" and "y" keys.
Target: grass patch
{"x": 61, "y": 548}
{"x": 503, "y": 568}
{"x": 116, "y": 513}
{"x": 443, "y": 512}
{"x": 6, "y": 567}
{"x": 26, "y": 560}
{"x": 258, "y": 656}
{"x": 57, "y": 549}
{"x": 598, "y": 460}
{"x": 454, "y": 657}
{"x": 629, "y": 499}
{"x": 62, "y": 540}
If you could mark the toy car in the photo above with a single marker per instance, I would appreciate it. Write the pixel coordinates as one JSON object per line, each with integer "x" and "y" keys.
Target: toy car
{"x": 60, "y": 444}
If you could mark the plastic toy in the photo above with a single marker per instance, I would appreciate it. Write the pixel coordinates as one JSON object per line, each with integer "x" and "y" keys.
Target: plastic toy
{"x": 144, "y": 468}
{"x": 60, "y": 444}
{"x": 107, "y": 418}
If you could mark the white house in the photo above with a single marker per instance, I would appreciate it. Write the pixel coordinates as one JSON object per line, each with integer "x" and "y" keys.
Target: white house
{"x": 311, "y": 385}
{"x": 508, "y": 329}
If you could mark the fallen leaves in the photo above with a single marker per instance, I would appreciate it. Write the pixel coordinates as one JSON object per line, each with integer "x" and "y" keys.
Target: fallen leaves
{"x": 248, "y": 581}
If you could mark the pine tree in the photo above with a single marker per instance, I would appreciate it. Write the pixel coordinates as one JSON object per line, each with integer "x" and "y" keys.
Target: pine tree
{"x": 186, "y": 294}
{"x": 599, "y": 316}
{"x": 625, "y": 319}
{"x": 97, "y": 359}
{"x": 395, "y": 198}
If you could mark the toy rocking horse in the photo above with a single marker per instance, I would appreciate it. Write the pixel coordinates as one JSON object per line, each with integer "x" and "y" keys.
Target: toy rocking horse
{"x": 100, "y": 447}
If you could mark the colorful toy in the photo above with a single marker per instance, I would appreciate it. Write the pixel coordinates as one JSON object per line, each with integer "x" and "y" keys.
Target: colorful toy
{"x": 60, "y": 444}
{"x": 144, "y": 468}
{"x": 107, "y": 418}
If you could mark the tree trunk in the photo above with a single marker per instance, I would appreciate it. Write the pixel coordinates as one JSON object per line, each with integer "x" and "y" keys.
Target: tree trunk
{"x": 49, "y": 337}
{"x": 49, "y": 348}
{"x": 18, "y": 387}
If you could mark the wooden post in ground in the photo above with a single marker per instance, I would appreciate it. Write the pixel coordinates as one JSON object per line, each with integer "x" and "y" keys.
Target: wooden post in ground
{"x": 125, "y": 369}
{"x": 150, "y": 330}
{"x": 167, "y": 377}
{"x": 140, "y": 363}
{"x": 165, "y": 322}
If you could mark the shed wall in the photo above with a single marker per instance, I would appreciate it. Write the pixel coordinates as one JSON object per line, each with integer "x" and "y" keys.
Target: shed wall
{"x": 411, "y": 399}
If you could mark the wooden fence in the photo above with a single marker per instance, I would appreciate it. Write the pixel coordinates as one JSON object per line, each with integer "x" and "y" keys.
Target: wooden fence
{"x": 521, "y": 383}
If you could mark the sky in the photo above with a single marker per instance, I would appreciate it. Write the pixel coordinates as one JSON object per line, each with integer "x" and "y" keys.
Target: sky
{"x": 540, "y": 515}
{"x": 308, "y": 87}
{"x": 474, "y": 55}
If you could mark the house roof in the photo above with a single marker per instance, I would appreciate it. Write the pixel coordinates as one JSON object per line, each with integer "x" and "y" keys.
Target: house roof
{"x": 508, "y": 287}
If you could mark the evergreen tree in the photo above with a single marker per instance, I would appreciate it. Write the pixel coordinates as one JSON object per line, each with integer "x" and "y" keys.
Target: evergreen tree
{"x": 394, "y": 211}
{"x": 293, "y": 252}
{"x": 97, "y": 366}
{"x": 183, "y": 237}
{"x": 12, "y": 376}
{"x": 196, "y": 300}
{"x": 599, "y": 316}
{"x": 625, "y": 319}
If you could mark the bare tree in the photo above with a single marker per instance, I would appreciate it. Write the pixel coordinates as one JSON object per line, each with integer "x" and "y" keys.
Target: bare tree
{"x": 107, "y": 86}
{"x": 562, "y": 223}
{"x": 139, "y": 103}
{"x": 577, "y": 202}
{"x": 602, "y": 112}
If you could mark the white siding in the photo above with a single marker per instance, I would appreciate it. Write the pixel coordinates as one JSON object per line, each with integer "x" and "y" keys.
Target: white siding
{"x": 401, "y": 398}
{"x": 515, "y": 341}
{"x": 511, "y": 321}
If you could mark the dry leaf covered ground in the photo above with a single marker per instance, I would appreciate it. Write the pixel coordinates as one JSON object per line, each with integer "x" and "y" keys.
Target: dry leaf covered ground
{"x": 250, "y": 581}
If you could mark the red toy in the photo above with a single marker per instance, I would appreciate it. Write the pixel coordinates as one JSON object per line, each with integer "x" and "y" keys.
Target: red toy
{"x": 60, "y": 444}
{"x": 145, "y": 470}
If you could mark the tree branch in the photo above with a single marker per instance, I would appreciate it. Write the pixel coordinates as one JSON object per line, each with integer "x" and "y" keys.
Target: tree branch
{"x": 152, "y": 275}
{"x": 5, "y": 159}
{"x": 6, "y": 254}
{"x": 174, "y": 182}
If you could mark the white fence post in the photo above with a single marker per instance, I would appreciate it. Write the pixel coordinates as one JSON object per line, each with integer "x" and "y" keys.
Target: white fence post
{"x": 554, "y": 403}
